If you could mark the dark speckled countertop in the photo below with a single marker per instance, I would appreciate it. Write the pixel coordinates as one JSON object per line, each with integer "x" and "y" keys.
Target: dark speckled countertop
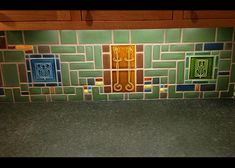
{"x": 125, "y": 128}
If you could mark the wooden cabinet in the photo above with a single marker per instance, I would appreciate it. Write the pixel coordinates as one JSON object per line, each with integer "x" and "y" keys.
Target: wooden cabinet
{"x": 212, "y": 14}
{"x": 34, "y": 15}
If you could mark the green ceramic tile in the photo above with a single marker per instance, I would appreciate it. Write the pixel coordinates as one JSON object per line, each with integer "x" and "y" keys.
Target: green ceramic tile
{"x": 98, "y": 57}
{"x": 121, "y": 36}
{"x": 180, "y": 73}
{"x": 224, "y": 34}
{"x": 198, "y": 34}
{"x": 85, "y": 65}
{"x": 155, "y": 73}
{"x": 1, "y": 56}
{"x": 188, "y": 81}
{"x": 35, "y": 90}
{"x": 89, "y": 53}
{"x": 202, "y": 53}
{"x": 212, "y": 81}
{"x": 232, "y": 77}
{"x": 14, "y": 56}
{"x": 38, "y": 98}
{"x": 198, "y": 47}
{"x": 233, "y": 56}
{"x": 68, "y": 37}
{"x": 154, "y": 95}
{"x": 147, "y": 56}
{"x": 58, "y": 90}
{"x": 41, "y": 37}
{"x": 94, "y": 36}
{"x": 97, "y": 95}
{"x": 164, "y": 64}
{"x": 74, "y": 78}
{"x": 147, "y": 36}
{"x": 182, "y": 47}
{"x": 164, "y": 80}
{"x": 172, "y": 76}
{"x": 172, "y": 94}
{"x": 173, "y": 35}
{"x": 10, "y": 75}
{"x": 72, "y": 58}
{"x": 229, "y": 93}
{"x": 63, "y": 49}
{"x": 216, "y": 61}
{"x": 225, "y": 54}
{"x": 156, "y": 52}
{"x": 78, "y": 96}
{"x": 136, "y": 96}
{"x": 14, "y": 37}
{"x": 115, "y": 96}
{"x": 65, "y": 74}
{"x": 191, "y": 95}
{"x": 56, "y": 98}
{"x": 45, "y": 91}
{"x": 187, "y": 62}
{"x": 224, "y": 65}
{"x": 215, "y": 53}
{"x": 186, "y": 74}
{"x": 69, "y": 90}
{"x": 222, "y": 83}
{"x": 211, "y": 94}
{"x": 172, "y": 56}
{"x": 165, "y": 48}
{"x": 90, "y": 73}
{"x": 18, "y": 97}
{"x": 8, "y": 96}
{"x": 24, "y": 87}
{"x": 82, "y": 81}
{"x": 81, "y": 49}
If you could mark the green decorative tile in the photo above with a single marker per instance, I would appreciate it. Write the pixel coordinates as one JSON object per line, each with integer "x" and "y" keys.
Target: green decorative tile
{"x": 65, "y": 74}
{"x": 172, "y": 56}
{"x": 63, "y": 49}
{"x": 94, "y": 36}
{"x": 41, "y": 37}
{"x": 229, "y": 93}
{"x": 164, "y": 80}
{"x": 154, "y": 95}
{"x": 89, "y": 53}
{"x": 35, "y": 90}
{"x": 10, "y": 75}
{"x": 136, "y": 96}
{"x": 198, "y": 34}
{"x": 83, "y": 65}
{"x": 38, "y": 98}
{"x": 222, "y": 83}
{"x": 68, "y": 37}
{"x": 14, "y": 56}
{"x": 72, "y": 58}
{"x": 225, "y": 54}
{"x": 147, "y": 56}
{"x": 224, "y": 65}
{"x": 81, "y": 49}
{"x": 164, "y": 64}
{"x": 224, "y": 34}
{"x": 14, "y": 37}
{"x": 216, "y": 61}
{"x": 90, "y": 73}
{"x": 173, "y": 35}
{"x": 147, "y": 36}
{"x": 97, "y": 95}
{"x": 211, "y": 94}
{"x": 24, "y": 87}
{"x": 182, "y": 47}
{"x": 198, "y": 47}
{"x": 232, "y": 77}
{"x": 58, "y": 90}
{"x": 115, "y": 96}
{"x": 82, "y": 82}
{"x": 58, "y": 98}
{"x": 74, "y": 78}
{"x": 202, "y": 53}
{"x": 172, "y": 93}
{"x": 201, "y": 67}
{"x": 78, "y": 96}
{"x": 1, "y": 56}
{"x": 149, "y": 73}
{"x": 187, "y": 62}
{"x": 172, "y": 76}
{"x": 45, "y": 91}
{"x": 69, "y": 90}
{"x": 121, "y": 36}
{"x": 180, "y": 73}
{"x": 8, "y": 96}
{"x": 165, "y": 48}
{"x": 156, "y": 52}
{"x": 98, "y": 57}
{"x": 18, "y": 97}
{"x": 191, "y": 95}
{"x": 186, "y": 74}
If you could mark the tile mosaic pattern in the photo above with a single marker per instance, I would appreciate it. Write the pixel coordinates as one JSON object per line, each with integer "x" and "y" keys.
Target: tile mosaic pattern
{"x": 77, "y": 65}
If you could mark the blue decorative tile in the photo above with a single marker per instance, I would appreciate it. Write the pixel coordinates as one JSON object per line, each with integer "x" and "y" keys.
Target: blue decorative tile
{"x": 147, "y": 82}
{"x": 213, "y": 46}
{"x": 48, "y": 56}
{"x": 148, "y": 90}
{"x": 35, "y": 56}
{"x": 59, "y": 76}
{"x": 51, "y": 84}
{"x": 208, "y": 87}
{"x": 185, "y": 87}
{"x": 1, "y": 91}
{"x": 161, "y": 86}
{"x": 155, "y": 80}
{"x": 57, "y": 64}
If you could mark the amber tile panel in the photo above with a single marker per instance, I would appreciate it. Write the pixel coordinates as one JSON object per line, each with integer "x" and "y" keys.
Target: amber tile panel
{"x": 106, "y": 61}
{"x": 107, "y": 78}
{"x": 139, "y": 48}
{"x": 29, "y": 51}
{"x": 107, "y": 89}
{"x": 105, "y": 48}
{"x": 139, "y": 88}
{"x": 120, "y": 81}
{"x": 139, "y": 60}
{"x": 22, "y": 73}
{"x": 139, "y": 76}
{"x": 197, "y": 87}
{"x": 3, "y": 43}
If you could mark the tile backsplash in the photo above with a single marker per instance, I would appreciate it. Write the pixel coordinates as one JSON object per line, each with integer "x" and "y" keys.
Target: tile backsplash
{"x": 87, "y": 65}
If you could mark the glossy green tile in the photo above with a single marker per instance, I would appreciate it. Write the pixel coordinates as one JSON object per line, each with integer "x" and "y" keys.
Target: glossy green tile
{"x": 198, "y": 47}
{"x": 8, "y": 96}
{"x": 187, "y": 62}
{"x": 65, "y": 74}
{"x": 41, "y": 37}
{"x": 94, "y": 36}
{"x": 45, "y": 91}
{"x": 97, "y": 95}
{"x": 191, "y": 94}
{"x": 68, "y": 37}
{"x": 24, "y": 87}
{"x": 222, "y": 83}
{"x": 224, "y": 34}
{"x": 225, "y": 54}
{"x": 56, "y": 98}
{"x": 186, "y": 74}
{"x": 116, "y": 96}
{"x": 147, "y": 36}
{"x": 35, "y": 90}
{"x": 147, "y": 56}
{"x": 69, "y": 90}
{"x": 198, "y": 34}
{"x": 90, "y": 73}
{"x": 211, "y": 94}
{"x": 80, "y": 49}
{"x": 172, "y": 56}
{"x": 121, "y": 36}
{"x": 148, "y": 73}
{"x": 78, "y": 96}
{"x": 98, "y": 57}
{"x": 82, "y": 82}
{"x": 14, "y": 56}
{"x": 164, "y": 64}
{"x": 224, "y": 65}
{"x": 10, "y": 75}
{"x": 165, "y": 48}
{"x": 172, "y": 76}
{"x": 37, "y": 98}
{"x": 74, "y": 78}
{"x": 58, "y": 90}
{"x": 63, "y": 49}
{"x": 154, "y": 95}
{"x": 180, "y": 73}
{"x": 83, "y": 65}
{"x": 232, "y": 76}
{"x": 164, "y": 80}
{"x": 72, "y": 58}
{"x": 172, "y": 93}
{"x": 1, "y": 56}
{"x": 156, "y": 52}
{"x": 89, "y": 53}
{"x": 18, "y": 97}
{"x": 14, "y": 37}
{"x": 182, "y": 47}
{"x": 173, "y": 35}
{"x": 229, "y": 93}
{"x": 136, "y": 96}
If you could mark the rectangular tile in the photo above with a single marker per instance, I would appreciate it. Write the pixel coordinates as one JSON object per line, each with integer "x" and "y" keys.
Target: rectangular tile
{"x": 8, "y": 96}
{"x": 38, "y": 98}
{"x": 74, "y": 78}
{"x": 232, "y": 77}
{"x": 147, "y": 36}
{"x": 121, "y": 36}
{"x": 172, "y": 93}
{"x": 14, "y": 56}
{"x": 139, "y": 76}
{"x": 90, "y": 73}
{"x": 222, "y": 83}
{"x": 139, "y": 48}
{"x": 107, "y": 78}
{"x": 156, "y": 73}
{"x": 106, "y": 61}
{"x": 139, "y": 60}
{"x": 82, "y": 65}
{"x": 10, "y": 75}
{"x": 78, "y": 96}
{"x": 44, "y": 49}
{"x": 116, "y": 96}
{"x": 68, "y": 37}
{"x": 225, "y": 54}
{"x": 58, "y": 98}
{"x": 147, "y": 56}
{"x": 97, "y": 95}
{"x": 173, "y": 35}
{"x": 164, "y": 64}
{"x": 136, "y": 96}
{"x": 211, "y": 94}
{"x": 180, "y": 73}
{"x": 1, "y": 81}
{"x": 63, "y": 49}
{"x": 207, "y": 87}
{"x": 191, "y": 95}
{"x": 185, "y": 87}
{"x": 41, "y": 37}
{"x": 18, "y": 97}
{"x": 98, "y": 57}
{"x": 65, "y": 74}
{"x": 3, "y": 43}
{"x": 224, "y": 65}
{"x": 155, "y": 93}
{"x": 94, "y": 36}
{"x": 172, "y": 56}
{"x": 224, "y": 34}
{"x": 213, "y": 46}
{"x": 198, "y": 34}
{"x": 182, "y": 47}
{"x": 14, "y": 37}
{"x": 172, "y": 76}
{"x": 72, "y": 58}
{"x": 156, "y": 52}
{"x": 22, "y": 72}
